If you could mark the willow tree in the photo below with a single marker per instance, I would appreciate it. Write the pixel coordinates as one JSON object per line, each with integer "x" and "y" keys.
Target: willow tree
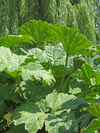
{"x": 78, "y": 14}
{"x": 82, "y": 17}
{"x": 97, "y": 21}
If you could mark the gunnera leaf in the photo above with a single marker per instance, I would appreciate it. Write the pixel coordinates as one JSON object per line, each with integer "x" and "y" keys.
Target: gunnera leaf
{"x": 10, "y": 40}
{"x": 38, "y": 31}
{"x": 35, "y": 91}
{"x": 9, "y": 60}
{"x": 56, "y": 55}
{"x": 74, "y": 43}
{"x": 31, "y": 115}
{"x": 37, "y": 53}
{"x": 36, "y": 70}
{"x": 54, "y": 111}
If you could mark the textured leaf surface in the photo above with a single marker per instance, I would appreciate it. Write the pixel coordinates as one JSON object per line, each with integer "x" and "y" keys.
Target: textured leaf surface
{"x": 63, "y": 101}
{"x": 73, "y": 42}
{"x": 55, "y": 111}
{"x": 56, "y": 55}
{"x": 29, "y": 114}
{"x": 10, "y": 40}
{"x": 3, "y": 108}
{"x": 93, "y": 126}
{"x": 10, "y": 61}
{"x": 37, "y": 53}
{"x": 59, "y": 125}
{"x": 34, "y": 91}
{"x": 38, "y": 31}
{"x": 36, "y": 70}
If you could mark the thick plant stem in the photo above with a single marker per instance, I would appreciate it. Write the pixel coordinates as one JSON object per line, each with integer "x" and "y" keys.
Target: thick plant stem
{"x": 63, "y": 87}
{"x": 63, "y": 78}
{"x": 21, "y": 93}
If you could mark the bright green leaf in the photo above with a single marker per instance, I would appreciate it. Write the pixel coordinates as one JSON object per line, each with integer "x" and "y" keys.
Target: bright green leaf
{"x": 10, "y": 40}
{"x": 74, "y": 43}
{"x": 38, "y": 31}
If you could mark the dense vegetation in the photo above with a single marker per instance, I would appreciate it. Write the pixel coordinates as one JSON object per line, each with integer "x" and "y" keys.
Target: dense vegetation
{"x": 50, "y": 88}
{"x": 49, "y": 70}
{"x": 77, "y": 14}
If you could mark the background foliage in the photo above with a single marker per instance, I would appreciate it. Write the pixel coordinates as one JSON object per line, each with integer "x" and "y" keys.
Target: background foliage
{"x": 78, "y": 14}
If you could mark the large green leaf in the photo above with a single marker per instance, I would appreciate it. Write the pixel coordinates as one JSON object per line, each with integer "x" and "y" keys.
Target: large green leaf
{"x": 56, "y": 55}
{"x": 73, "y": 42}
{"x": 36, "y": 70}
{"x": 63, "y": 101}
{"x": 9, "y": 60}
{"x": 10, "y": 40}
{"x": 93, "y": 126}
{"x": 54, "y": 111}
{"x": 34, "y": 91}
{"x": 37, "y": 53}
{"x": 38, "y": 31}
{"x": 55, "y": 124}
{"x": 31, "y": 115}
